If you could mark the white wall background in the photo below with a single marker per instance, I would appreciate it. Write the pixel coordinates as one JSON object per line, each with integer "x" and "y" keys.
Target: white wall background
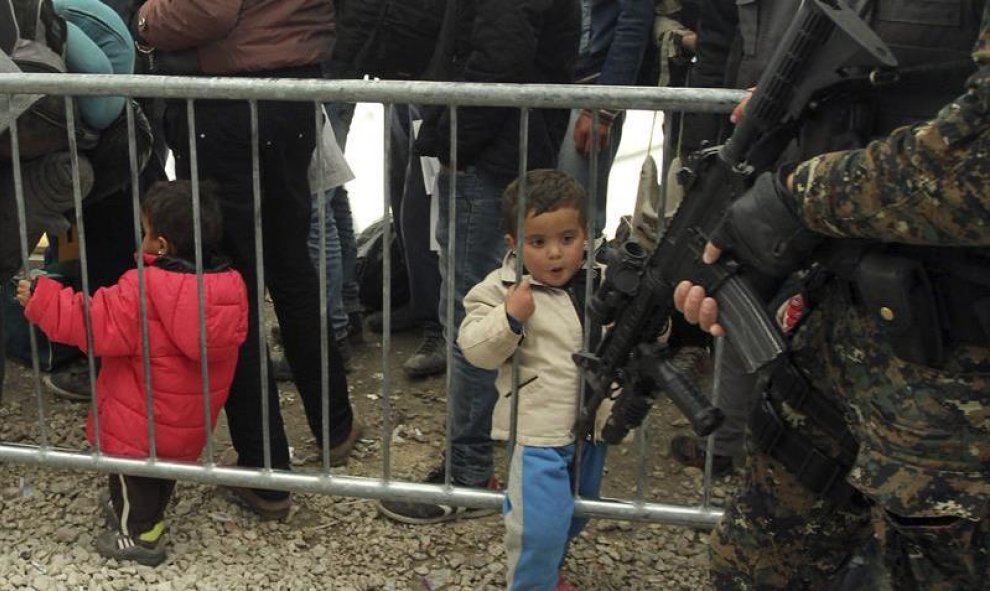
{"x": 364, "y": 155}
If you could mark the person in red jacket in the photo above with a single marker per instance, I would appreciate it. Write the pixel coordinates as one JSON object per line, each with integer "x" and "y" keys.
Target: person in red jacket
{"x": 136, "y": 505}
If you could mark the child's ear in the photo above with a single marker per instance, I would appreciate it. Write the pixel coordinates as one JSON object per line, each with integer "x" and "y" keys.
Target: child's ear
{"x": 163, "y": 246}
{"x": 510, "y": 241}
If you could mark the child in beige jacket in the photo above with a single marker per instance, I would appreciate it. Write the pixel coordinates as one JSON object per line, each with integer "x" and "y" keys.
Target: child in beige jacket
{"x": 542, "y": 318}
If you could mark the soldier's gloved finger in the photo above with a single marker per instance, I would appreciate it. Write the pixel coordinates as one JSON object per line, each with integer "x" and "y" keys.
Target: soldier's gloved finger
{"x": 708, "y": 318}
{"x": 722, "y": 236}
{"x": 680, "y": 294}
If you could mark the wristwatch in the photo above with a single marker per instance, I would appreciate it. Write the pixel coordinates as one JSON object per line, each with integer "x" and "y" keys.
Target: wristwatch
{"x": 146, "y": 50}
{"x": 139, "y": 25}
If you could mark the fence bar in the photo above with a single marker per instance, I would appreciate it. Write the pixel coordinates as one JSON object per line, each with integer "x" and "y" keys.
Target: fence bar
{"x": 15, "y": 148}
{"x": 698, "y": 100}
{"x": 259, "y": 285}
{"x": 350, "y": 486}
{"x": 320, "y": 195}
{"x": 591, "y": 237}
{"x": 522, "y": 198}
{"x": 451, "y": 281}
{"x": 142, "y": 283}
{"x": 77, "y": 198}
{"x": 201, "y": 310}
{"x": 390, "y": 217}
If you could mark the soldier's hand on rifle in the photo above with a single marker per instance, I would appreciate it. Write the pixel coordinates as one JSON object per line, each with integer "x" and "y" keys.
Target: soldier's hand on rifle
{"x": 763, "y": 228}
{"x": 519, "y": 301}
{"x": 697, "y": 307}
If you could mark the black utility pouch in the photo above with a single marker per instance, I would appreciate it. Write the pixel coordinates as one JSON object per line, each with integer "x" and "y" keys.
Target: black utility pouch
{"x": 897, "y": 293}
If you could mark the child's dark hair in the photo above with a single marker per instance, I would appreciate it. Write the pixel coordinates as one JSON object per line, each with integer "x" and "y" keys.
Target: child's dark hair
{"x": 546, "y": 190}
{"x": 168, "y": 206}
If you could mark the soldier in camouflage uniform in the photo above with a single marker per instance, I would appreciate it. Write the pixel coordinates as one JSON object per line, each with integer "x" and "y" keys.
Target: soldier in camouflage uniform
{"x": 922, "y": 428}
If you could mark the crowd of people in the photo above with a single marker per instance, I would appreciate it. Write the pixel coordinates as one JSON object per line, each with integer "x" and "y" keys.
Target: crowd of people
{"x": 878, "y": 410}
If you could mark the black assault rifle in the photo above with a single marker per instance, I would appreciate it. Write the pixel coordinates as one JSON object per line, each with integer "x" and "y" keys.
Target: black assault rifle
{"x": 826, "y": 44}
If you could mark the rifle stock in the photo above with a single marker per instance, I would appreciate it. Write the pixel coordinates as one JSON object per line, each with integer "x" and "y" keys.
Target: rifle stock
{"x": 637, "y": 299}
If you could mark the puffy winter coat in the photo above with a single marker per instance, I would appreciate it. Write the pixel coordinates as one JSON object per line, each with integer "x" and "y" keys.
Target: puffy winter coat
{"x": 173, "y": 337}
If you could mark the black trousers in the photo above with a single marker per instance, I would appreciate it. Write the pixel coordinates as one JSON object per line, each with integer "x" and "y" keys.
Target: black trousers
{"x": 286, "y": 139}
{"x": 412, "y": 204}
{"x": 139, "y": 502}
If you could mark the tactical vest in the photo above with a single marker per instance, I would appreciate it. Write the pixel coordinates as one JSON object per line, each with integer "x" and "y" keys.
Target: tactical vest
{"x": 932, "y": 41}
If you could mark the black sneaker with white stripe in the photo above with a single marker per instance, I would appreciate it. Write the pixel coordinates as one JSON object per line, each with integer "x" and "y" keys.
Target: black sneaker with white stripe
{"x": 426, "y": 513}
{"x": 120, "y": 546}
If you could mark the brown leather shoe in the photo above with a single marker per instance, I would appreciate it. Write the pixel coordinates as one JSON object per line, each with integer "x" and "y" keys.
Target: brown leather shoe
{"x": 340, "y": 453}
{"x": 267, "y": 510}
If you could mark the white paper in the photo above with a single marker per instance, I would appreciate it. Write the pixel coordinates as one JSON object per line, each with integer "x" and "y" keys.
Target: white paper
{"x": 334, "y": 170}
{"x": 430, "y": 167}
{"x": 434, "y": 215}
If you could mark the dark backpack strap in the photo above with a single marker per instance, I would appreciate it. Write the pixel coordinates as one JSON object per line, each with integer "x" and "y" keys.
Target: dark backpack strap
{"x": 9, "y": 32}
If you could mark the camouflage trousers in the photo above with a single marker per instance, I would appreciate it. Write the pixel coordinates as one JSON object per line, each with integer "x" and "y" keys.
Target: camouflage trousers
{"x": 923, "y": 467}
{"x": 777, "y": 535}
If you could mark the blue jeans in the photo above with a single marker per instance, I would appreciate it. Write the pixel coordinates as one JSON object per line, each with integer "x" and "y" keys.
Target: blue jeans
{"x": 341, "y": 257}
{"x": 579, "y": 165}
{"x": 341, "y": 247}
{"x": 479, "y": 247}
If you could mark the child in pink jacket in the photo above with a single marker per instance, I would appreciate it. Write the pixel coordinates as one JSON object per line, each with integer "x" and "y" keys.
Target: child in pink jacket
{"x": 137, "y": 504}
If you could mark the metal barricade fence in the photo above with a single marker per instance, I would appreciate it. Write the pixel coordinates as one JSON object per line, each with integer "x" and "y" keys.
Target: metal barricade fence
{"x": 14, "y": 88}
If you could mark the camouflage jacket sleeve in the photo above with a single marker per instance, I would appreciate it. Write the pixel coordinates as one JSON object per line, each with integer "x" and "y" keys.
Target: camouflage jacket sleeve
{"x": 925, "y": 184}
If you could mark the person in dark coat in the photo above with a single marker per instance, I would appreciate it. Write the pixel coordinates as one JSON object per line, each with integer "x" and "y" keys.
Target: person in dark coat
{"x": 508, "y": 41}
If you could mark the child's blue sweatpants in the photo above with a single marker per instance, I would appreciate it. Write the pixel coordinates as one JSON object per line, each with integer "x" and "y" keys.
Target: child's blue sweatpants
{"x": 539, "y": 509}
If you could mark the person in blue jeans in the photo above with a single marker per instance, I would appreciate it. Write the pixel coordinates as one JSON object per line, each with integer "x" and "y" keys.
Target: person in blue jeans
{"x": 615, "y": 35}
{"x": 536, "y": 41}
{"x": 411, "y": 205}
{"x": 344, "y": 309}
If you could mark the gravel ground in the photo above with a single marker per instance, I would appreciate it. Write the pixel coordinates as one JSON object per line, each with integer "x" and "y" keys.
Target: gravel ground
{"x": 48, "y": 519}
